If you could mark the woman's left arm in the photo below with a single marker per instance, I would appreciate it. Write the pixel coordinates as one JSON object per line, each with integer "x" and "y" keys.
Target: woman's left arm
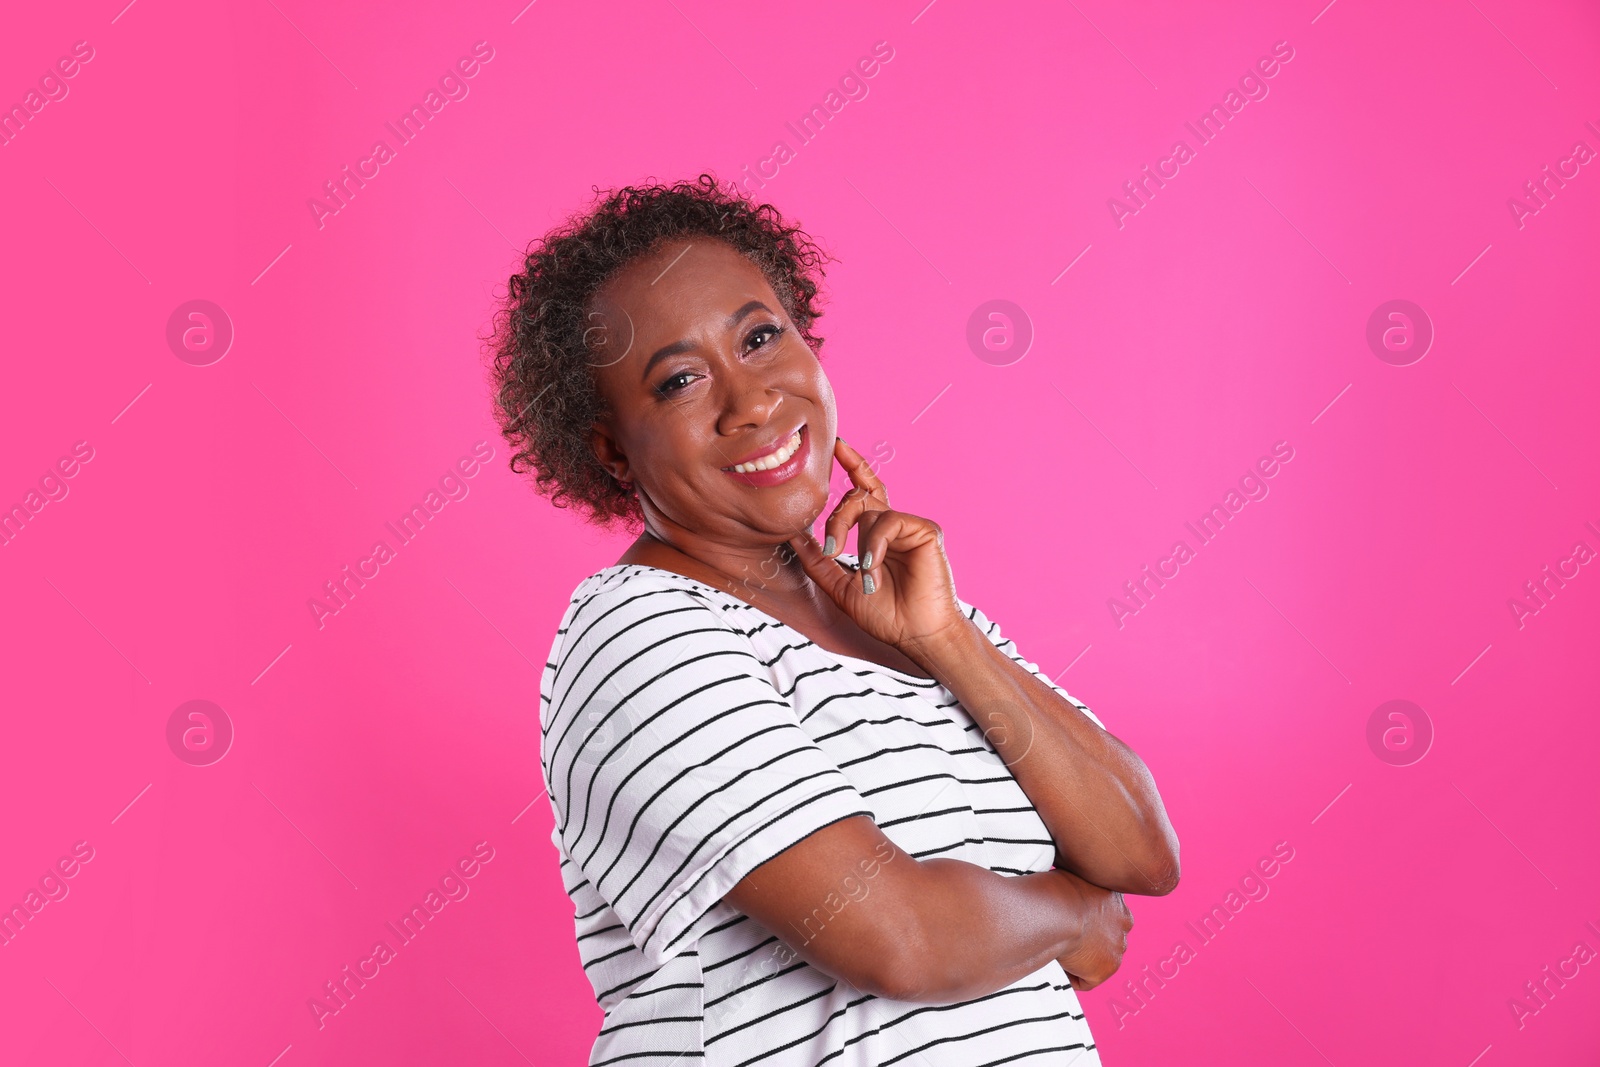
{"x": 1094, "y": 794}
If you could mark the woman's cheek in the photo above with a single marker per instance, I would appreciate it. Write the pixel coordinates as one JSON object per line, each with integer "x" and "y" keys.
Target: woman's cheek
{"x": 823, "y": 389}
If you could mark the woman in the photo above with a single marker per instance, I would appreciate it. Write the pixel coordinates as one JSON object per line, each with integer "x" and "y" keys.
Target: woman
{"x": 810, "y": 809}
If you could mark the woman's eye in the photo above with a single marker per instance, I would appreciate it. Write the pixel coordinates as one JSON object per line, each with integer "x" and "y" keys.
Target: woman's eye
{"x": 761, "y": 337}
{"x": 770, "y": 332}
{"x": 674, "y": 383}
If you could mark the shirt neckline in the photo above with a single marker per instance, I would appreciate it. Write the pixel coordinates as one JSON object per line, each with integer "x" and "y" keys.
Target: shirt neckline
{"x": 870, "y": 664}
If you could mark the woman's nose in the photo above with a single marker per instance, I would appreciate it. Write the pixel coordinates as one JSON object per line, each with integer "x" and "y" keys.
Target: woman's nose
{"x": 748, "y": 400}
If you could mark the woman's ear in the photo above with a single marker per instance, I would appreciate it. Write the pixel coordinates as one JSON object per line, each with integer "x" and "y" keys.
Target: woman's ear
{"x": 607, "y": 451}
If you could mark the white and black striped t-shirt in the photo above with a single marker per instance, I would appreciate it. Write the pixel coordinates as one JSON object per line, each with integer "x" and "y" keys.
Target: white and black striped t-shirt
{"x": 689, "y": 737}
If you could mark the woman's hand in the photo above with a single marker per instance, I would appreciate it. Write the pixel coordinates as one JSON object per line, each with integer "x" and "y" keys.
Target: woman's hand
{"x": 1099, "y": 950}
{"x": 903, "y": 594}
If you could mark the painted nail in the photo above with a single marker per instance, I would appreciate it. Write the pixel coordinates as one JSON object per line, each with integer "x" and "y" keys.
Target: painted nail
{"x": 828, "y": 546}
{"x": 866, "y": 561}
{"x": 867, "y": 584}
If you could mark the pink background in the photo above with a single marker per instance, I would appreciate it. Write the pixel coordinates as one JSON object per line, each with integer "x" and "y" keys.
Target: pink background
{"x": 1228, "y": 314}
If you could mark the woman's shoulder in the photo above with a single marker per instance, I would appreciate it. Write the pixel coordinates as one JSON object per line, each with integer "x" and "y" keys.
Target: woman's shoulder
{"x": 617, "y": 609}
{"x": 623, "y": 580}
{"x": 612, "y": 587}
{"x": 631, "y": 626}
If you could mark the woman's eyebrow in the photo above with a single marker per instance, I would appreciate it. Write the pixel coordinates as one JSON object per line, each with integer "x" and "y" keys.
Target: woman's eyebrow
{"x": 676, "y": 347}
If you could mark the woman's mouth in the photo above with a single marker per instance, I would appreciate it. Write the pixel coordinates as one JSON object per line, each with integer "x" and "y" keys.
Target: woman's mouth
{"x": 777, "y": 466}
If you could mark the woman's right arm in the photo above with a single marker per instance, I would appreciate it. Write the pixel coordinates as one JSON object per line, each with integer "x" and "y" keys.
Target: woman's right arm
{"x": 850, "y": 902}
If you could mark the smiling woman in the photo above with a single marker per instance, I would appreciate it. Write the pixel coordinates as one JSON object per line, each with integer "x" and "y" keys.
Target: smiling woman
{"x": 722, "y": 755}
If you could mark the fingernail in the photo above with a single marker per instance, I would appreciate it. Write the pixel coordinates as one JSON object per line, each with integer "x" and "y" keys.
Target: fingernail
{"x": 867, "y": 584}
{"x": 828, "y": 546}
{"x": 866, "y": 561}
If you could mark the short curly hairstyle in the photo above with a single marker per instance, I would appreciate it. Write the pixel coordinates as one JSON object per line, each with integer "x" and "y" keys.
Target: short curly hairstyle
{"x": 545, "y": 395}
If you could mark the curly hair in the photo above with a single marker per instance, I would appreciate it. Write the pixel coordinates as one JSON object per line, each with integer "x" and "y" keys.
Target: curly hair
{"x": 546, "y": 397}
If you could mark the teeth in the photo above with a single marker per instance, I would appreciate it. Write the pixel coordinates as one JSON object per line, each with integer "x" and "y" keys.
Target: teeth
{"x": 777, "y": 458}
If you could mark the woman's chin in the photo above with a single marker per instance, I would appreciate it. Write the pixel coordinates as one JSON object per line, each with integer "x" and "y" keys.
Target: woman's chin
{"x": 794, "y": 512}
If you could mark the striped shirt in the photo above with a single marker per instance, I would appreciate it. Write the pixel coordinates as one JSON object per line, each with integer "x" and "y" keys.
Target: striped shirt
{"x": 687, "y": 738}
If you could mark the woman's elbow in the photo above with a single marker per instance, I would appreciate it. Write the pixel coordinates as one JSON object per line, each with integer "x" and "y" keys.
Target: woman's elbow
{"x": 1151, "y": 870}
{"x": 1166, "y": 871}
{"x": 1165, "y": 882}
{"x": 919, "y": 981}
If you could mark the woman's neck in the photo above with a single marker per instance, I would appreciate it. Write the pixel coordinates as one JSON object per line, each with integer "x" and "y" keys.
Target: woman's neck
{"x": 770, "y": 570}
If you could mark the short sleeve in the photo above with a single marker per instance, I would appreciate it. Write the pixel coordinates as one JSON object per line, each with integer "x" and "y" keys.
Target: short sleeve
{"x": 992, "y": 630}
{"x": 675, "y": 766}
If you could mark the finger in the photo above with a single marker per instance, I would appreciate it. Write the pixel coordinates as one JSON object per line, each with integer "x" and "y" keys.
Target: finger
{"x": 833, "y": 576}
{"x": 846, "y": 513}
{"x": 867, "y": 492}
{"x": 838, "y": 582}
{"x": 862, "y": 476}
{"x": 871, "y": 548}
{"x": 892, "y": 531}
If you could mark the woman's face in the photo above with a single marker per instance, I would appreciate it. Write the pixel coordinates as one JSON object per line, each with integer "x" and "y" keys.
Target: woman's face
{"x": 702, "y": 370}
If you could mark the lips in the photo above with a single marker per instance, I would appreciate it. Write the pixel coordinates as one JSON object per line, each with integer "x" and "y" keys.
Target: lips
{"x": 773, "y": 456}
